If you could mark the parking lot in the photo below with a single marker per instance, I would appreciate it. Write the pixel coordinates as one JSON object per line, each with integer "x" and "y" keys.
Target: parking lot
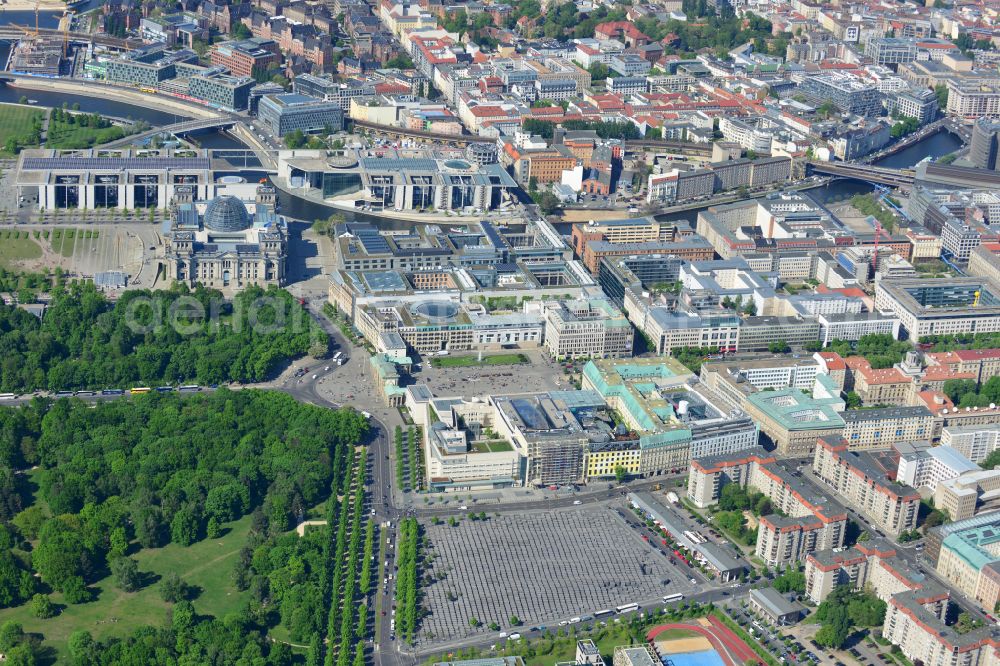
{"x": 545, "y": 567}
{"x": 770, "y": 638}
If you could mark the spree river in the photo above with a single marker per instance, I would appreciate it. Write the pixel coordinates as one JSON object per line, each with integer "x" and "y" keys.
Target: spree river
{"x": 842, "y": 189}
{"x": 47, "y": 18}
{"x": 936, "y": 145}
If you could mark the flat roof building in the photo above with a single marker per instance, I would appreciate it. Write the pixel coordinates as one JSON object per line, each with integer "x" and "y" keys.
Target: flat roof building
{"x": 547, "y": 431}
{"x": 634, "y": 655}
{"x": 930, "y": 307}
{"x": 488, "y": 661}
{"x": 230, "y": 93}
{"x": 249, "y": 57}
{"x": 412, "y": 179}
{"x": 88, "y": 179}
{"x": 793, "y": 420}
{"x": 592, "y": 328}
{"x": 775, "y": 606}
{"x": 974, "y": 442}
{"x": 675, "y": 419}
{"x": 290, "y": 112}
{"x": 845, "y": 91}
{"x": 726, "y": 564}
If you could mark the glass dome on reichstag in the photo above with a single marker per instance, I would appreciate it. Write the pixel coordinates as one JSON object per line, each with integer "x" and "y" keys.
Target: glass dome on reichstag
{"x": 226, "y": 214}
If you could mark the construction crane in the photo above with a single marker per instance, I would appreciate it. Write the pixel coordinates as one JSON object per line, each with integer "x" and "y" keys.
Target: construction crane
{"x": 28, "y": 32}
{"x": 878, "y": 235}
{"x": 66, "y": 21}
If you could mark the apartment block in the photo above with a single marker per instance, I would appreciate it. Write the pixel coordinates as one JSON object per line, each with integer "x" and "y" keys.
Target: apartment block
{"x": 916, "y": 606}
{"x": 973, "y": 442}
{"x": 808, "y": 521}
{"x": 860, "y": 480}
{"x": 915, "y": 621}
{"x": 870, "y": 564}
{"x": 973, "y": 99}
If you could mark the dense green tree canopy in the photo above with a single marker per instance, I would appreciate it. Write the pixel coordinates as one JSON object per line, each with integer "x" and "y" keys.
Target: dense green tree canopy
{"x": 844, "y": 611}
{"x": 170, "y": 336}
{"x": 881, "y": 349}
{"x": 158, "y": 467}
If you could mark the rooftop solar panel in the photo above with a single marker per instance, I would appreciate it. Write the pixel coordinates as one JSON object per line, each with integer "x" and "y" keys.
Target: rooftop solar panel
{"x": 494, "y": 236}
{"x": 398, "y": 164}
{"x": 373, "y": 241}
{"x": 114, "y": 163}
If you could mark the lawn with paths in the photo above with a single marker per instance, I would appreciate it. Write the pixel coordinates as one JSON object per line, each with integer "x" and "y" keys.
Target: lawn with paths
{"x": 205, "y": 565}
{"x": 16, "y": 122}
{"x": 470, "y": 360}
{"x": 19, "y": 247}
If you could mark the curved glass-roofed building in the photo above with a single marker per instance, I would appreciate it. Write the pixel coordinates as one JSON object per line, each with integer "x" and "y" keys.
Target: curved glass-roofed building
{"x": 227, "y": 247}
{"x": 226, "y": 214}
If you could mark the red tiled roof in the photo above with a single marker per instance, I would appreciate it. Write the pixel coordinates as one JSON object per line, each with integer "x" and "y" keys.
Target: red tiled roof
{"x": 833, "y": 360}
{"x": 483, "y": 111}
{"x": 935, "y": 401}
{"x": 977, "y": 354}
{"x": 936, "y": 373}
{"x": 883, "y": 376}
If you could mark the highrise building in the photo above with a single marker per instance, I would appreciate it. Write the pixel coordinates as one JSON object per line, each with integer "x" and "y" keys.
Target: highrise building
{"x": 985, "y": 145}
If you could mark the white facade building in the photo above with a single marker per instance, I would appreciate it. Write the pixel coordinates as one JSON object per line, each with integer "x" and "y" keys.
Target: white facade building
{"x": 973, "y": 442}
{"x": 921, "y": 466}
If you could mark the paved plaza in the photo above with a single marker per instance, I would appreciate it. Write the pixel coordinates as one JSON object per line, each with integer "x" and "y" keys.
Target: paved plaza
{"x": 542, "y": 566}
{"x": 541, "y": 374}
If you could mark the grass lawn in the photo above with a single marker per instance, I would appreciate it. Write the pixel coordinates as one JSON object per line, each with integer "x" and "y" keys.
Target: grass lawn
{"x": 17, "y": 248}
{"x": 564, "y": 649}
{"x": 16, "y": 121}
{"x": 469, "y": 361}
{"x": 674, "y": 634}
{"x": 63, "y": 135}
{"x": 64, "y": 241}
{"x": 206, "y": 565}
{"x": 68, "y": 243}
{"x": 492, "y": 446}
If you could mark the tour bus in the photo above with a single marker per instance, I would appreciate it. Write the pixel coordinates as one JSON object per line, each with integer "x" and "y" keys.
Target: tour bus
{"x": 139, "y": 389}
{"x": 189, "y": 387}
{"x": 627, "y": 608}
{"x": 672, "y": 597}
{"x": 603, "y": 613}
{"x": 7, "y": 396}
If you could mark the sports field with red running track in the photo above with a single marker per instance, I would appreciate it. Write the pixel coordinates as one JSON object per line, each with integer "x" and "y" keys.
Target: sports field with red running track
{"x": 730, "y": 647}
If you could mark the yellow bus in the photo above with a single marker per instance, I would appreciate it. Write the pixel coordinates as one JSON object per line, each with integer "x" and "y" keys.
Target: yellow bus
{"x": 139, "y": 389}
